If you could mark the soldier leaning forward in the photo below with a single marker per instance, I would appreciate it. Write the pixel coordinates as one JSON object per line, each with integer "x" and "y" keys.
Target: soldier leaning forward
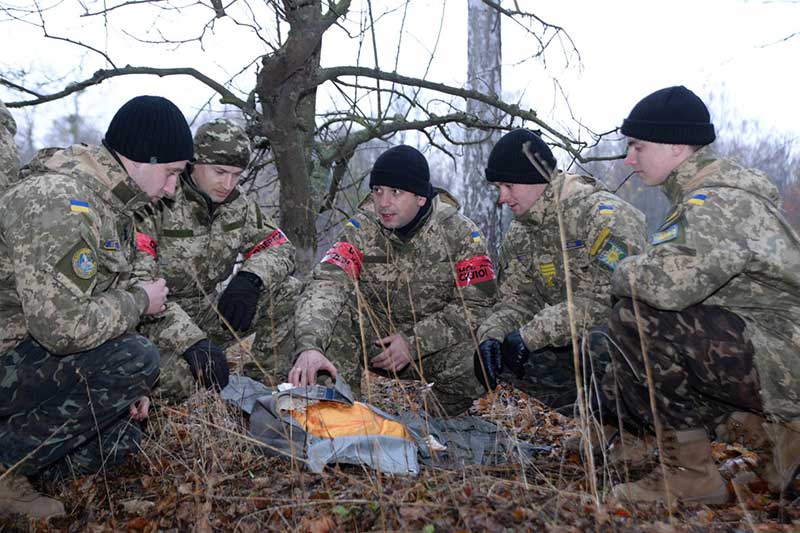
{"x": 411, "y": 277}
{"x": 74, "y": 376}
{"x": 209, "y": 231}
{"x": 717, "y": 297}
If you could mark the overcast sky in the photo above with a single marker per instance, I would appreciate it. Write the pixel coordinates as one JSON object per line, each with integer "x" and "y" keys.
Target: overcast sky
{"x": 725, "y": 50}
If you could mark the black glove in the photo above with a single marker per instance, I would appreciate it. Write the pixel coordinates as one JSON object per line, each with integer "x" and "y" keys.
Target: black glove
{"x": 487, "y": 359}
{"x": 514, "y": 354}
{"x": 239, "y": 301}
{"x": 208, "y": 364}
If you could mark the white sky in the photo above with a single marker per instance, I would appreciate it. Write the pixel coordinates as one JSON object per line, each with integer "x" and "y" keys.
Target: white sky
{"x": 627, "y": 49}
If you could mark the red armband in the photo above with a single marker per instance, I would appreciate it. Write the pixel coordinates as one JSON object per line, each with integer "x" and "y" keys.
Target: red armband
{"x": 276, "y": 238}
{"x": 474, "y": 270}
{"x": 347, "y": 257}
{"x": 145, "y": 243}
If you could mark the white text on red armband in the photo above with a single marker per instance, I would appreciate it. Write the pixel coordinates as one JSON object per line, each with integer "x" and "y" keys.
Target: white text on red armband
{"x": 145, "y": 243}
{"x": 347, "y": 257}
{"x": 275, "y": 238}
{"x": 474, "y": 270}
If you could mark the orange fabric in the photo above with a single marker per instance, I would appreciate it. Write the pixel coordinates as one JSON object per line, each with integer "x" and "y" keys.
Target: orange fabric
{"x": 331, "y": 420}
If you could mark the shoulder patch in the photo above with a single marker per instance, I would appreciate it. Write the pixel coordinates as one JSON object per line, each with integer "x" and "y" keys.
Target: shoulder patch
{"x": 112, "y": 244}
{"x": 605, "y": 209}
{"x": 571, "y": 245}
{"x": 474, "y": 270}
{"x": 666, "y": 235}
{"x": 79, "y": 206}
{"x": 697, "y": 199}
{"x": 276, "y": 238}
{"x": 611, "y": 254}
{"x": 84, "y": 264}
{"x": 600, "y": 240}
{"x": 347, "y": 257}
{"x": 352, "y": 223}
{"x": 475, "y": 236}
{"x": 78, "y": 266}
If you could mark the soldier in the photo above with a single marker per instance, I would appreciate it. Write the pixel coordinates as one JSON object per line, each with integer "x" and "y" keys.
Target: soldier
{"x": 196, "y": 241}
{"x": 527, "y": 339}
{"x": 74, "y": 376}
{"x": 9, "y": 159}
{"x": 411, "y": 277}
{"x": 717, "y": 297}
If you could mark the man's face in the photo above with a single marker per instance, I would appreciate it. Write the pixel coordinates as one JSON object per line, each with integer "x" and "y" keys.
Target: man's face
{"x": 217, "y": 181}
{"x": 519, "y": 197}
{"x": 653, "y": 162}
{"x": 156, "y": 179}
{"x": 395, "y": 207}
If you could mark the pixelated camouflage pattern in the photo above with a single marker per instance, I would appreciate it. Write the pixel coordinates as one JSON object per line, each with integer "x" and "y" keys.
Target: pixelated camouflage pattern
{"x": 197, "y": 250}
{"x": 9, "y": 156}
{"x": 732, "y": 248}
{"x": 406, "y": 287}
{"x": 221, "y": 142}
{"x": 702, "y": 363}
{"x": 44, "y": 233}
{"x": 533, "y": 291}
{"x": 83, "y": 415}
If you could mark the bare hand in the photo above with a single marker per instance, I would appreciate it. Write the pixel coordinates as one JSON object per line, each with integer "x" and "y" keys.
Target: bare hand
{"x": 396, "y": 354}
{"x": 156, "y": 293}
{"x": 309, "y": 362}
{"x": 140, "y": 409}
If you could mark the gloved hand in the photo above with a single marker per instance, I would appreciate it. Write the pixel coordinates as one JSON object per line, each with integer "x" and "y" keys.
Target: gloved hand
{"x": 239, "y": 301}
{"x": 514, "y": 354}
{"x": 208, "y": 364}
{"x": 487, "y": 360}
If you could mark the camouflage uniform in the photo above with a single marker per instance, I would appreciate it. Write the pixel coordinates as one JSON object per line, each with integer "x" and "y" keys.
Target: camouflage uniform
{"x": 719, "y": 293}
{"x": 70, "y": 368}
{"x": 600, "y": 229}
{"x": 197, "y": 247}
{"x": 433, "y": 288}
{"x": 9, "y": 158}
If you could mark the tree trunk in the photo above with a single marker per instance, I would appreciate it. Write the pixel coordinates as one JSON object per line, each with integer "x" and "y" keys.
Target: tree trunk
{"x": 484, "y": 74}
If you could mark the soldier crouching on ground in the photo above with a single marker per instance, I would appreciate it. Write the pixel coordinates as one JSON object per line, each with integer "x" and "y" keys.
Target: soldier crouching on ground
{"x": 409, "y": 275}
{"x": 74, "y": 377}
{"x": 527, "y": 339}
{"x": 717, "y": 297}
{"x": 195, "y": 240}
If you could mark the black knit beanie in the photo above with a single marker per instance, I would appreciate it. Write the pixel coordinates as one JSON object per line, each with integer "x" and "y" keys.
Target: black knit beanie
{"x": 402, "y": 167}
{"x": 674, "y": 115}
{"x": 150, "y": 129}
{"x": 508, "y": 163}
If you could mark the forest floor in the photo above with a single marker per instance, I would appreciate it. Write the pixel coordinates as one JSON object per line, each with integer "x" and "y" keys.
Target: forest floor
{"x": 198, "y": 472}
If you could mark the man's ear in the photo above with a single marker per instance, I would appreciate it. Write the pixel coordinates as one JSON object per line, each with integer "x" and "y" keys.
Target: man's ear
{"x": 421, "y": 200}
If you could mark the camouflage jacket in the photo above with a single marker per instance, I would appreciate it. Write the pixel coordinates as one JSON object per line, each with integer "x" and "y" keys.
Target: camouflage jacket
{"x": 601, "y": 229}
{"x": 9, "y": 158}
{"x": 197, "y": 248}
{"x": 66, "y": 244}
{"x": 725, "y": 243}
{"x": 433, "y": 288}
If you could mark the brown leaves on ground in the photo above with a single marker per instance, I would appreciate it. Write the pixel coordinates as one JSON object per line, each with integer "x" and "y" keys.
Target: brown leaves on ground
{"x": 199, "y": 473}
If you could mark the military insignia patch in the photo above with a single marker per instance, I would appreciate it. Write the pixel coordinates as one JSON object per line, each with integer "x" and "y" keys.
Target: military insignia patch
{"x": 571, "y": 245}
{"x": 352, "y": 223}
{"x": 78, "y": 206}
{"x": 697, "y": 199}
{"x": 83, "y": 263}
{"x": 112, "y": 244}
{"x": 476, "y": 236}
{"x": 605, "y": 209}
{"x": 611, "y": 254}
{"x": 668, "y": 234}
{"x": 599, "y": 241}
{"x": 672, "y": 217}
{"x": 548, "y": 271}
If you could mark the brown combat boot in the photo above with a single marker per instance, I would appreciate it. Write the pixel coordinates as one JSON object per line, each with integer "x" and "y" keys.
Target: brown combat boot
{"x": 777, "y": 446}
{"x": 618, "y": 446}
{"x": 18, "y": 496}
{"x": 691, "y": 474}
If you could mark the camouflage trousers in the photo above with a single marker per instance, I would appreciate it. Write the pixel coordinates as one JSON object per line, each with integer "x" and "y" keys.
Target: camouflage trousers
{"x": 450, "y": 370}
{"x": 702, "y": 366}
{"x": 268, "y": 360}
{"x": 73, "y": 407}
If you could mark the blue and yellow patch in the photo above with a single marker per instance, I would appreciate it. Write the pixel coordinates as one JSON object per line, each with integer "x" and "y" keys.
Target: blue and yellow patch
{"x": 475, "y": 236}
{"x": 668, "y": 234}
{"x": 605, "y": 209}
{"x": 83, "y": 263}
{"x": 611, "y": 254}
{"x": 571, "y": 245}
{"x": 79, "y": 206}
{"x": 697, "y": 199}
{"x": 352, "y": 223}
{"x": 112, "y": 244}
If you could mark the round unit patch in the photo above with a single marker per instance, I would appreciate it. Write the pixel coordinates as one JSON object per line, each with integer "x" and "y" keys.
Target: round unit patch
{"x": 84, "y": 264}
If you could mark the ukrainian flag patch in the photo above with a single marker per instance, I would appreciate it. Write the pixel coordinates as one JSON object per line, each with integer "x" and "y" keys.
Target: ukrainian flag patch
{"x": 668, "y": 234}
{"x": 697, "y": 199}
{"x": 476, "y": 236}
{"x": 352, "y": 223}
{"x": 605, "y": 209}
{"x": 78, "y": 206}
